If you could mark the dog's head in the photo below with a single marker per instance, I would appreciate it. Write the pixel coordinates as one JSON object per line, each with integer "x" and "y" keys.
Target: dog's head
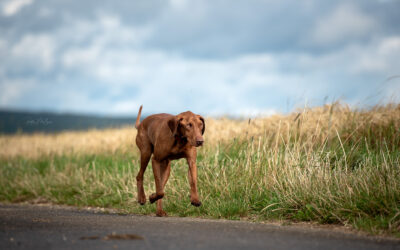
{"x": 190, "y": 126}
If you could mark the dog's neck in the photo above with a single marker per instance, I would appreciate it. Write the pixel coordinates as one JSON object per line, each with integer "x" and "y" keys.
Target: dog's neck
{"x": 180, "y": 140}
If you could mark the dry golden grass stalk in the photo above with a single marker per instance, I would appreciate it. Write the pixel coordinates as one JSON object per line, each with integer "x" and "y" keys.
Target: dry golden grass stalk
{"x": 309, "y": 126}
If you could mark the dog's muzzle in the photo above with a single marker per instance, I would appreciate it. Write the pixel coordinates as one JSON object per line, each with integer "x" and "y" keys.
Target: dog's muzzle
{"x": 199, "y": 143}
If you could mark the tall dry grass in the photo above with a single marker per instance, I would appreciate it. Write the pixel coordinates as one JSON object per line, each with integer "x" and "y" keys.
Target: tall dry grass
{"x": 308, "y": 126}
{"x": 329, "y": 164}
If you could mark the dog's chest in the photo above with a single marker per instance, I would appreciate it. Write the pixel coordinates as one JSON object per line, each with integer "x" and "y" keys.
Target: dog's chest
{"x": 171, "y": 151}
{"x": 176, "y": 153}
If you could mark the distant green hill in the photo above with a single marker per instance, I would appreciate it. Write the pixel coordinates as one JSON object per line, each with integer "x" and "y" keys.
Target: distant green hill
{"x": 28, "y": 122}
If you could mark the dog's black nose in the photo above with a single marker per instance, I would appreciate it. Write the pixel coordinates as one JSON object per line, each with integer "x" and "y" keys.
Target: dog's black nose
{"x": 199, "y": 142}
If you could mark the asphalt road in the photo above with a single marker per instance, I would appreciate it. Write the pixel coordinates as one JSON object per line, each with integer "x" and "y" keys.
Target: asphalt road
{"x": 46, "y": 227}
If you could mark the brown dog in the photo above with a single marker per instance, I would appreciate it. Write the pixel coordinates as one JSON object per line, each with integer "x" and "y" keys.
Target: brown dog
{"x": 168, "y": 137}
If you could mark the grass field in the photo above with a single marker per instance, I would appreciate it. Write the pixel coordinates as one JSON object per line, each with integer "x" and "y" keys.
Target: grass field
{"x": 331, "y": 164}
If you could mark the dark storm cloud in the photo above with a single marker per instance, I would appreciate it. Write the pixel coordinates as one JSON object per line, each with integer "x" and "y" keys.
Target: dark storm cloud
{"x": 201, "y": 28}
{"x": 112, "y": 56}
{"x": 226, "y": 28}
{"x": 47, "y": 15}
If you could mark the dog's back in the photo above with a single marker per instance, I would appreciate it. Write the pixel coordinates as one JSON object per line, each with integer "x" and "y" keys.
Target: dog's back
{"x": 154, "y": 126}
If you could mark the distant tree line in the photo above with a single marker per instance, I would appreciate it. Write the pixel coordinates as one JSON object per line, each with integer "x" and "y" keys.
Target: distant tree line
{"x": 12, "y": 122}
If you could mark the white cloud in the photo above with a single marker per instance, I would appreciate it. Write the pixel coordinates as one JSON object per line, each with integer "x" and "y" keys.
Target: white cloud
{"x": 14, "y": 6}
{"x": 12, "y": 90}
{"x": 236, "y": 86}
{"x": 77, "y": 57}
{"x": 124, "y": 107}
{"x": 346, "y": 22}
{"x": 390, "y": 45}
{"x": 36, "y": 51}
{"x": 392, "y": 91}
{"x": 178, "y": 4}
{"x": 3, "y": 53}
{"x": 378, "y": 57}
{"x": 250, "y": 112}
{"x": 113, "y": 53}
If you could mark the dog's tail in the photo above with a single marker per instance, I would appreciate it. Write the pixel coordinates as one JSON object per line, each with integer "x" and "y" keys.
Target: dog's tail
{"x": 138, "y": 117}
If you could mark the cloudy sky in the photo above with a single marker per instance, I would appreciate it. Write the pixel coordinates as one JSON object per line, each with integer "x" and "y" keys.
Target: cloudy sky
{"x": 242, "y": 57}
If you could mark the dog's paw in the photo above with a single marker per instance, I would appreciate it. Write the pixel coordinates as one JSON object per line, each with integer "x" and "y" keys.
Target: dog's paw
{"x": 196, "y": 203}
{"x": 161, "y": 213}
{"x": 154, "y": 197}
{"x": 142, "y": 200}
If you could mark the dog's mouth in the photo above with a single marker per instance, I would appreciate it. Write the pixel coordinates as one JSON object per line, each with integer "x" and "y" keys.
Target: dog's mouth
{"x": 195, "y": 143}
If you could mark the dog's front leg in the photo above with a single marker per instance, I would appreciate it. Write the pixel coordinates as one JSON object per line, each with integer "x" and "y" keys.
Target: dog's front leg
{"x": 192, "y": 175}
{"x": 159, "y": 194}
{"x": 165, "y": 171}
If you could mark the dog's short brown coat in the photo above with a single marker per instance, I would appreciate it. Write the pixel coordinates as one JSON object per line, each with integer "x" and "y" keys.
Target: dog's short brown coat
{"x": 167, "y": 138}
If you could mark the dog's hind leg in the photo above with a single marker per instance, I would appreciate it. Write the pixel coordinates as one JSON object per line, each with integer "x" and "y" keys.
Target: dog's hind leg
{"x": 144, "y": 160}
{"x": 146, "y": 150}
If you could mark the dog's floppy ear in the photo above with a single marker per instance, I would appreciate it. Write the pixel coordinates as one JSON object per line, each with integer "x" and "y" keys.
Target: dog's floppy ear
{"x": 204, "y": 124}
{"x": 173, "y": 124}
